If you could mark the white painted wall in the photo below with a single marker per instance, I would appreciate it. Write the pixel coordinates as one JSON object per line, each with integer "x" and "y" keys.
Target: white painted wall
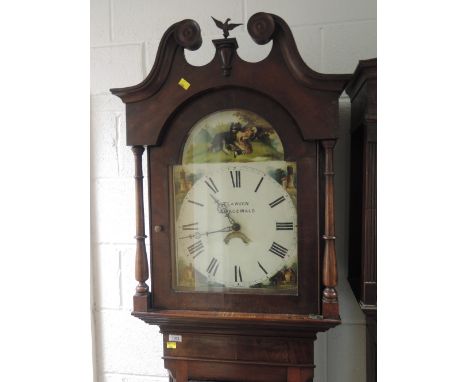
{"x": 331, "y": 35}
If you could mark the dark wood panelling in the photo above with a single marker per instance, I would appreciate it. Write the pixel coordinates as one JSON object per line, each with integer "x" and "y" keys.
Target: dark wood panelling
{"x": 362, "y": 264}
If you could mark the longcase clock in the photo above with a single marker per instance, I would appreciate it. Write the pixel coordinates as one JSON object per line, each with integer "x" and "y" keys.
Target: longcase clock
{"x": 242, "y": 243}
{"x": 362, "y": 275}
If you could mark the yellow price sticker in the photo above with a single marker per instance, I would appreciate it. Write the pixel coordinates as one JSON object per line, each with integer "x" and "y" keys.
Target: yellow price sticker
{"x": 184, "y": 83}
{"x": 171, "y": 345}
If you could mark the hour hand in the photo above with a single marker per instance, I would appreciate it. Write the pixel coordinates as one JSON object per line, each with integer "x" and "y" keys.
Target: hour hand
{"x": 225, "y": 229}
{"x": 197, "y": 235}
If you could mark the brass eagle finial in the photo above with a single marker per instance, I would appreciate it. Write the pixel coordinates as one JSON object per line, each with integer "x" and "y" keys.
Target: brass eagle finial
{"x": 226, "y": 27}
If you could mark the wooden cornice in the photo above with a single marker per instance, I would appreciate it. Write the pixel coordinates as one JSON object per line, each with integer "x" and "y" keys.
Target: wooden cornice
{"x": 362, "y": 90}
{"x": 365, "y": 71}
{"x": 185, "y": 34}
{"x": 264, "y": 27}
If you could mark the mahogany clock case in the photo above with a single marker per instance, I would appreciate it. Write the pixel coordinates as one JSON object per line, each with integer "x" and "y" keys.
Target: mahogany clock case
{"x": 299, "y": 103}
{"x": 305, "y": 153}
{"x": 362, "y": 273}
{"x": 270, "y": 336}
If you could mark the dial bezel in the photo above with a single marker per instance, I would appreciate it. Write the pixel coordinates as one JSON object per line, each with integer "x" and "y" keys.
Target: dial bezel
{"x": 168, "y": 153}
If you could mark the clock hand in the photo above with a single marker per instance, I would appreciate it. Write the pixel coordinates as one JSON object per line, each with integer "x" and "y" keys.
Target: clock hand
{"x": 197, "y": 235}
{"x": 222, "y": 209}
{"x": 225, "y": 229}
{"x": 238, "y": 235}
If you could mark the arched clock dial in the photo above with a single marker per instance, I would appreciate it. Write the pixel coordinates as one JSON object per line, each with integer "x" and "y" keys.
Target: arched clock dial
{"x": 237, "y": 228}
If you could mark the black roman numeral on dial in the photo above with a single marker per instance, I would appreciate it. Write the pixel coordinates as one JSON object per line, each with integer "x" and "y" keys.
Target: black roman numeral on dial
{"x": 196, "y": 248}
{"x": 211, "y": 185}
{"x": 258, "y": 185}
{"x": 236, "y": 178}
{"x": 190, "y": 227}
{"x": 284, "y": 226}
{"x": 213, "y": 266}
{"x": 198, "y": 204}
{"x": 278, "y": 250}
{"x": 274, "y": 203}
{"x": 237, "y": 274}
{"x": 262, "y": 268}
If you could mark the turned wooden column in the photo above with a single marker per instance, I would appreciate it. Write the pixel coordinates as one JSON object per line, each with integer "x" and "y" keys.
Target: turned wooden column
{"x": 141, "y": 297}
{"x": 330, "y": 273}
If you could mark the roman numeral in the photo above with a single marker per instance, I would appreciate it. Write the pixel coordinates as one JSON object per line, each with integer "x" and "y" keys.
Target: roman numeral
{"x": 278, "y": 250}
{"x": 284, "y": 226}
{"x": 196, "y": 248}
{"x": 236, "y": 179}
{"x": 274, "y": 203}
{"x": 237, "y": 274}
{"x": 211, "y": 185}
{"x": 258, "y": 185}
{"x": 261, "y": 267}
{"x": 191, "y": 227}
{"x": 213, "y": 266}
{"x": 198, "y": 204}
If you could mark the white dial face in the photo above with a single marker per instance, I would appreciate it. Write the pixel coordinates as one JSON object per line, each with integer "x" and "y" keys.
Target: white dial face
{"x": 237, "y": 228}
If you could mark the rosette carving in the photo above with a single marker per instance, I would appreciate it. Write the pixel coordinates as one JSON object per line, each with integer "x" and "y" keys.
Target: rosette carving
{"x": 265, "y": 27}
{"x": 261, "y": 27}
{"x": 187, "y": 34}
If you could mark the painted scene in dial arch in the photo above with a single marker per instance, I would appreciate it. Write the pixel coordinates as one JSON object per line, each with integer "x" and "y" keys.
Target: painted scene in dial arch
{"x": 233, "y": 135}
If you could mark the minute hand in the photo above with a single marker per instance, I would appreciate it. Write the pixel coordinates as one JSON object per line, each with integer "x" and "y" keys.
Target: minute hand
{"x": 223, "y": 209}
